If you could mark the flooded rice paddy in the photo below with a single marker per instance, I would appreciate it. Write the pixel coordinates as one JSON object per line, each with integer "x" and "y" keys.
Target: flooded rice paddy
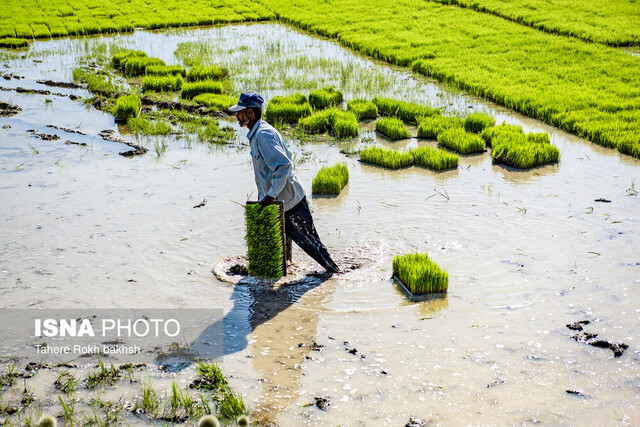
{"x": 526, "y": 252}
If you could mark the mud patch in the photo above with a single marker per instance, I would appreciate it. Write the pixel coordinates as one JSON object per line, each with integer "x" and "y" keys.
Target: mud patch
{"x": 8, "y": 110}
{"x": 44, "y": 136}
{"x": 67, "y": 85}
{"x": 590, "y": 339}
{"x": 108, "y": 135}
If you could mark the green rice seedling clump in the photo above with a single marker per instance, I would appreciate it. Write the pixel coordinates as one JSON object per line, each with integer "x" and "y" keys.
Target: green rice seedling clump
{"x": 406, "y": 111}
{"x": 165, "y": 70}
{"x": 392, "y": 128}
{"x": 540, "y": 138}
{"x": 431, "y": 127}
{"x": 477, "y": 122}
{"x": 127, "y": 106}
{"x": 137, "y": 65}
{"x": 494, "y": 132}
{"x": 212, "y": 133}
{"x": 331, "y": 180}
{"x": 344, "y": 124}
{"x": 363, "y": 109}
{"x": 288, "y": 109}
{"x": 191, "y": 90}
{"x": 199, "y": 73}
{"x": 420, "y": 274}
{"x": 317, "y": 123}
{"x": 219, "y": 102}
{"x": 629, "y": 145}
{"x": 13, "y": 43}
{"x": 324, "y": 98}
{"x": 166, "y": 83}
{"x": 434, "y": 159}
{"x": 144, "y": 125}
{"x": 520, "y": 151}
{"x": 458, "y": 140}
{"x": 390, "y": 159}
{"x": 264, "y": 240}
{"x": 119, "y": 57}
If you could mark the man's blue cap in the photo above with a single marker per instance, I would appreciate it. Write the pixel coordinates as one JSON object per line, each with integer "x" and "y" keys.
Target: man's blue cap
{"x": 247, "y": 100}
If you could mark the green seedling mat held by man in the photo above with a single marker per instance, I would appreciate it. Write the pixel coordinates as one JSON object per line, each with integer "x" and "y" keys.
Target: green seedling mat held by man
{"x": 266, "y": 247}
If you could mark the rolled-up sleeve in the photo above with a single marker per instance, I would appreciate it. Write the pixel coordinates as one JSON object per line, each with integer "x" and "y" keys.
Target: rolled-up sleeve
{"x": 274, "y": 155}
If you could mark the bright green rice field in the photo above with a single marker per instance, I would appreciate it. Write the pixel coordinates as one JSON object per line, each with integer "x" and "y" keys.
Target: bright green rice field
{"x": 547, "y": 60}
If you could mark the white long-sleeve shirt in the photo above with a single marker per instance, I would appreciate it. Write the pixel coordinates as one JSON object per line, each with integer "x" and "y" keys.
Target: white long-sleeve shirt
{"x": 272, "y": 166}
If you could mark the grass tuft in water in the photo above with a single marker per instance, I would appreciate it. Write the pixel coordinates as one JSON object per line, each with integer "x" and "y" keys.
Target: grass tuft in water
{"x": 212, "y": 133}
{"x": 405, "y": 111}
{"x": 420, "y": 274}
{"x": 144, "y": 125}
{"x": 324, "y": 98}
{"x": 265, "y": 251}
{"x": 119, "y": 57}
{"x": 390, "y": 159}
{"x": 363, "y": 109}
{"x": 288, "y": 109}
{"x": 343, "y": 123}
{"x": 431, "y": 127}
{"x": 477, "y": 122}
{"x": 191, "y": 90}
{"x": 392, "y": 128}
{"x": 199, "y": 73}
{"x": 331, "y": 180}
{"x": 434, "y": 159}
{"x": 162, "y": 83}
{"x": 494, "y": 132}
{"x": 99, "y": 84}
{"x": 136, "y": 66}
{"x": 166, "y": 70}
{"x": 13, "y": 43}
{"x": 458, "y": 140}
{"x": 215, "y": 101}
{"x": 522, "y": 151}
{"x": 127, "y": 106}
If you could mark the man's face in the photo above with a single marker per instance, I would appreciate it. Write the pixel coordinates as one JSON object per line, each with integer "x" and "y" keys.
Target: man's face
{"x": 243, "y": 117}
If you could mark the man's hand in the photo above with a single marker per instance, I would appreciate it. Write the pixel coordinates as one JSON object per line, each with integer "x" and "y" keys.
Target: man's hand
{"x": 268, "y": 200}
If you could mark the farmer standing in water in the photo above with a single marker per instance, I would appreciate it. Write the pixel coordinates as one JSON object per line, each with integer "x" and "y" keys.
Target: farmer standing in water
{"x": 276, "y": 180}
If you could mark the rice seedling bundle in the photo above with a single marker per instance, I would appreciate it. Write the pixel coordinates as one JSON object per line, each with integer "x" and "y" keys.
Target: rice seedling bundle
{"x": 431, "y": 127}
{"x": 324, "y": 98}
{"x": 191, "y": 90}
{"x": 288, "y": 109}
{"x": 117, "y": 58}
{"x": 390, "y": 159}
{"x": 215, "y": 101}
{"x": 630, "y": 146}
{"x": 199, "y": 73}
{"x": 146, "y": 126}
{"x": 434, "y": 159}
{"x": 392, "y": 128}
{"x": 458, "y": 140}
{"x": 165, "y": 70}
{"x": 540, "y": 138}
{"x": 344, "y": 124}
{"x": 137, "y": 65}
{"x": 491, "y": 133}
{"x": 331, "y": 180}
{"x": 363, "y": 109}
{"x": 405, "y": 111}
{"x": 212, "y": 133}
{"x": 166, "y": 83}
{"x": 477, "y": 122}
{"x": 420, "y": 274}
{"x": 13, "y": 43}
{"x": 265, "y": 240}
{"x": 523, "y": 152}
{"x": 127, "y": 106}
{"x": 317, "y": 123}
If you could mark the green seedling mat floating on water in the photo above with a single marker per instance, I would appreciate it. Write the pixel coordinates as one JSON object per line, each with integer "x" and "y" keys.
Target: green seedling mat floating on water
{"x": 266, "y": 246}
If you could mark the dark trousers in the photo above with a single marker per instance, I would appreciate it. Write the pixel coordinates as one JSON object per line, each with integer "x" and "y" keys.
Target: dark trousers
{"x": 298, "y": 226}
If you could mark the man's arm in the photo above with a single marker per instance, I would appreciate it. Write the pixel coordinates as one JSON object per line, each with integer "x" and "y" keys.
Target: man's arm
{"x": 276, "y": 159}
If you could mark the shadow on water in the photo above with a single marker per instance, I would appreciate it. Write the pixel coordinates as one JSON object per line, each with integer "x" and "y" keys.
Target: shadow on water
{"x": 255, "y": 304}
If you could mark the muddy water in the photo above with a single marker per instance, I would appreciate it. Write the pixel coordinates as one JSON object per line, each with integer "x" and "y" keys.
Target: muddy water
{"x": 526, "y": 252}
